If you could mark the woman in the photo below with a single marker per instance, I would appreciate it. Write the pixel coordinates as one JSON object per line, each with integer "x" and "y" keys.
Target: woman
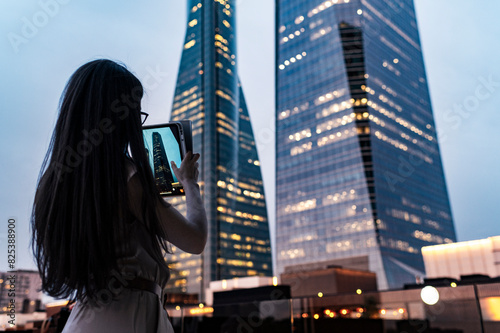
{"x": 99, "y": 224}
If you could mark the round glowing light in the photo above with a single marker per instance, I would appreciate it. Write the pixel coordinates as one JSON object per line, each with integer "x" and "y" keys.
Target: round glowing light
{"x": 343, "y": 311}
{"x": 359, "y": 291}
{"x": 359, "y": 12}
{"x": 401, "y": 310}
{"x": 429, "y": 295}
{"x": 320, "y": 294}
{"x": 396, "y": 60}
{"x": 453, "y": 285}
{"x": 316, "y": 316}
{"x": 383, "y": 312}
{"x": 177, "y": 307}
{"x": 201, "y": 305}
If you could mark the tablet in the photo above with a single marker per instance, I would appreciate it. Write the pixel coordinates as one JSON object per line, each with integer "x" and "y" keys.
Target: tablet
{"x": 165, "y": 143}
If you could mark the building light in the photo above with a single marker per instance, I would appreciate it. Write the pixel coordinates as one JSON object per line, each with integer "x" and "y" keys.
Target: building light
{"x": 316, "y": 316}
{"x": 275, "y": 281}
{"x": 359, "y": 12}
{"x": 320, "y": 294}
{"x": 429, "y": 295}
{"x": 359, "y": 291}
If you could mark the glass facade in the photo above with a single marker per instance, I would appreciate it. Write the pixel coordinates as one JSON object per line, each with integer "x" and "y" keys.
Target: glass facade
{"x": 209, "y": 93}
{"x": 358, "y": 170}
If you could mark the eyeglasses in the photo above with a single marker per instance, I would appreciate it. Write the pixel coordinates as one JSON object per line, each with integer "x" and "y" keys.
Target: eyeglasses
{"x": 144, "y": 116}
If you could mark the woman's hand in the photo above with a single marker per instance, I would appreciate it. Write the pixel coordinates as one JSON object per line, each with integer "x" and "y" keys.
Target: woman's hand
{"x": 188, "y": 172}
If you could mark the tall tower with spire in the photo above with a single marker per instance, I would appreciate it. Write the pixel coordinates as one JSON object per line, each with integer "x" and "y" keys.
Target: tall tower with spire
{"x": 209, "y": 93}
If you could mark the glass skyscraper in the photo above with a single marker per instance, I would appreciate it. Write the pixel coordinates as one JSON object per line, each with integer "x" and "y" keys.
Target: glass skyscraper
{"x": 359, "y": 173}
{"x": 209, "y": 93}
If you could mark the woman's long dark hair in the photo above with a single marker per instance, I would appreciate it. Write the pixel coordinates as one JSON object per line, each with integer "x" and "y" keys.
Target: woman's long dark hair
{"x": 80, "y": 208}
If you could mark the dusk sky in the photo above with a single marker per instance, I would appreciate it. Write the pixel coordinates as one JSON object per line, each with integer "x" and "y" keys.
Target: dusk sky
{"x": 43, "y": 42}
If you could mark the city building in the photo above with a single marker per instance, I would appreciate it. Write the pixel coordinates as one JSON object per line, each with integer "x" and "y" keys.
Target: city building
{"x": 26, "y": 285}
{"x": 309, "y": 282}
{"x": 358, "y": 169}
{"x": 162, "y": 172}
{"x": 209, "y": 93}
{"x": 463, "y": 258}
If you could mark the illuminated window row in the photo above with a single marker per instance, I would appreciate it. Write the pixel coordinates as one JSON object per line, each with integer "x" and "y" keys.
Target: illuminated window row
{"x": 286, "y": 113}
{"x": 229, "y": 187}
{"x": 316, "y": 23}
{"x": 222, "y": 94}
{"x": 256, "y": 162}
{"x": 222, "y": 47}
{"x": 292, "y": 254}
{"x": 305, "y": 133}
{"x": 418, "y": 143}
{"x": 192, "y": 23}
{"x": 406, "y": 216}
{"x": 225, "y": 132}
{"x": 230, "y": 219}
{"x": 339, "y": 136}
{"x": 195, "y": 8}
{"x": 225, "y": 55}
{"x": 386, "y": 100}
{"x": 334, "y": 108}
{"x": 187, "y": 92}
{"x": 292, "y": 35}
{"x": 334, "y": 123}
{"x": 184, "y": 264}
{"x": 301, "y": 149}
{"x": 249, "y": 186}
{"x": 191, "y": 102}
{"x": 300, "y": 206}
{"x": 355, "y": 226}
{"x": 304, "y": 238}
{"x": 322, "y": 32}
{"x": 255, "y": 195}
{"x": 292, "y": 60}
{"x": 233, "y": 262}
{"x": 189, "y": 105}
{"x": 244, "y": 254}
{"x": 391, "y": 67}
{"x": 226, "y": 23}
{"x": 181, "y": 101}
{"x": 329, "y": 96}
{"x": 393, "y": 142}
{"x": 245, "y": 215}
{"x": 227, "y": 125}
{"x": 332, "y": 199}
{"x": 325, "y": 5}
{"x": 399, "y": 120}
{"x": 193, "y": 106}
{"x": 368, "y": 89}
{"x": 398, "y": 244}
{"x": 433, "y": 224}
{"x": 189, "y": 44}
{"x": 428, "y": 237}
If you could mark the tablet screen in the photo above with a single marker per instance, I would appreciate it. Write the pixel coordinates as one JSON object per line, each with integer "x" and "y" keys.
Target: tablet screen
{"x": 162, "y": 147}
